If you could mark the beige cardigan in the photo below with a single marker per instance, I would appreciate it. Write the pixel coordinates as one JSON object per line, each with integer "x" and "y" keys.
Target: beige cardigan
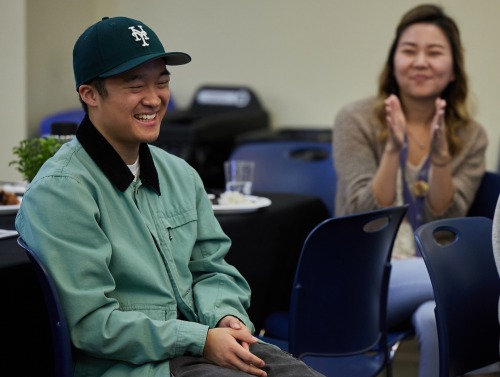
{"x": 357, "y": 153}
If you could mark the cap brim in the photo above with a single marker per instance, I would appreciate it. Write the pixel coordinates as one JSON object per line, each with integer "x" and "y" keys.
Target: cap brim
{"x": 171, "y": 58}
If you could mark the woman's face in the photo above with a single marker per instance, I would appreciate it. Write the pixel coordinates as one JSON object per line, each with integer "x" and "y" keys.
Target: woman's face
{"x": 423, "y": 62}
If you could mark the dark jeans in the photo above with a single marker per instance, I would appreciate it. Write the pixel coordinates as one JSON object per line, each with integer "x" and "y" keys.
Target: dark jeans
{"x": 278, "y": 364}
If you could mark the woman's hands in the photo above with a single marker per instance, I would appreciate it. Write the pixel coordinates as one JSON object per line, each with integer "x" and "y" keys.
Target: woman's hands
{"x": 396, "y": 121}
{"x": 441, "y": 188}
{"x": 396, "y": 124}
{"x": 228, "y": 346}
{"x": 440, "y": 155}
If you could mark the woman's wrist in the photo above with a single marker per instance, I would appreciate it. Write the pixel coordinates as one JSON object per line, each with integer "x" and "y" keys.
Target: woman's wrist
{"x": 392, "y": 149}
{"x": 440, "y": 163}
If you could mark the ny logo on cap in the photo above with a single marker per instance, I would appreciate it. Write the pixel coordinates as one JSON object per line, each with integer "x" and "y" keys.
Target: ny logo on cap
{"x": 140, "y": 35}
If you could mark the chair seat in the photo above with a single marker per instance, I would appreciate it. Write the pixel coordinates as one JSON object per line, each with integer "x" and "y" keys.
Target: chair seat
{"x": 276, "y": 325}
{"x": 281, "y": 343}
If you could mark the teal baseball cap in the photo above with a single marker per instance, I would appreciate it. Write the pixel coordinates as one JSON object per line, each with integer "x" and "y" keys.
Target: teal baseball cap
{"x": 115, "y": 45}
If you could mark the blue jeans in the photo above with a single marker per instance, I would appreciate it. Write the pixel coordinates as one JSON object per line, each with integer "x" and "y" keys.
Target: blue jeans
{"x": 411, "y": 301}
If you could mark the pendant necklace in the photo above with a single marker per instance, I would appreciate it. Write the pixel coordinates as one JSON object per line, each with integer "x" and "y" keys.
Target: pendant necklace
{"x": 419, "y": 144}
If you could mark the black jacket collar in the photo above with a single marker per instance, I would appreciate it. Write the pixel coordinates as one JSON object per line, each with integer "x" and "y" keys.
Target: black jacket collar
{"x": 111, "y": 163}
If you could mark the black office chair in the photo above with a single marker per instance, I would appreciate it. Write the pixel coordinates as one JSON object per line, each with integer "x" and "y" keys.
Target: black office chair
{"x": 292, "y": 166}
{"x": 61, "y": 342}
{"x": 337, "y": 318}
{"x": 459, "y": 257}
{"x": 486, "y": 196}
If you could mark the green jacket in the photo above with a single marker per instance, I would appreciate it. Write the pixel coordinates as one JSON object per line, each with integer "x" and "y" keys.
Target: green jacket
{"x": 139, "y": 265}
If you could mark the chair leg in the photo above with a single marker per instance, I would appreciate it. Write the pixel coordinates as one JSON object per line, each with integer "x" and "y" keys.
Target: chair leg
{"x": 393, "y": 350}
{"x": 390, "y": 358}
{"x": 388, "y": 370}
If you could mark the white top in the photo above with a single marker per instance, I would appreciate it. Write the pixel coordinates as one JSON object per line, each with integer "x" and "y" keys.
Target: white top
{"x": 134, "y": 168}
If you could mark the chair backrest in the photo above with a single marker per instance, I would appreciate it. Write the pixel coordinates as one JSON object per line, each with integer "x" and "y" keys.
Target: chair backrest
{"x": 61, "y": 342}
{"x": 486, "y": 196}
{"x": 459, "y": 257}
{"x": 338, "y": 302}
{"x": 216, "y": 99}
{"x": 292, "y": 166}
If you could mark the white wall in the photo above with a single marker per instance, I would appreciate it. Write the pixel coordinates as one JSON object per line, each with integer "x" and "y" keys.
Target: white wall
{"x": 305, "y": 59}
{"x": 53, "y": 27}
{"x": 13, "y": 109}
{"x": 308, "y": 58}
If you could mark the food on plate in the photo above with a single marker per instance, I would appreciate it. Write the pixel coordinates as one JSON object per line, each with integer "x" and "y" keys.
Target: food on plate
{"x": 8, "y": 198}
{"x": 234, "y": 197}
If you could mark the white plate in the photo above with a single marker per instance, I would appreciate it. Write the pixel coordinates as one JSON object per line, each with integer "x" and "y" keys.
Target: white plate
{"x": 257, "y": 203}
{"x": 10, "y": 209}
{"x": 4, "y": 233}
{"x": 15, "y": 188}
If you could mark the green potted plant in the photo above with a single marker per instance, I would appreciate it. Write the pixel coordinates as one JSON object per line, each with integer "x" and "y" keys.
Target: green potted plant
{"x": 32, "y": 153}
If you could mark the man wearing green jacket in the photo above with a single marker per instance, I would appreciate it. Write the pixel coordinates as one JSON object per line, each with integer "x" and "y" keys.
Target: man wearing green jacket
{"x": 128, "y": 234}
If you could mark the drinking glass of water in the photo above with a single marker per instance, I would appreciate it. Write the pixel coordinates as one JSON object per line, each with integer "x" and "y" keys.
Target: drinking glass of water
{"x": 239, "y": 176}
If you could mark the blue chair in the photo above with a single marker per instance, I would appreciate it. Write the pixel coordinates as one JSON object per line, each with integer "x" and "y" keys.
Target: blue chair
{"x": 486, "y": 196}
{"x": 74, "y": 116}
{"x": 337, "y": 317}
{"x": 459, "y": 257}
{"x": 292, "y": 166}
{"x": 61, "y": 342}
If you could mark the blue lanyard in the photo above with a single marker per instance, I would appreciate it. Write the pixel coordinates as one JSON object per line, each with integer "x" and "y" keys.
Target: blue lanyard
{"x": 416, "y": 196}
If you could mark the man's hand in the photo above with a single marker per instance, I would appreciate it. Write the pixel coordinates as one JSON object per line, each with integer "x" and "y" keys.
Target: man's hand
{"x": 224, "y": 347}
{"x": 234, "y": 323}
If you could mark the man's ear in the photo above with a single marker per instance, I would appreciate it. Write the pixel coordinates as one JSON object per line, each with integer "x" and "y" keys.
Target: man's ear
{"x": 88, "y": 95}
